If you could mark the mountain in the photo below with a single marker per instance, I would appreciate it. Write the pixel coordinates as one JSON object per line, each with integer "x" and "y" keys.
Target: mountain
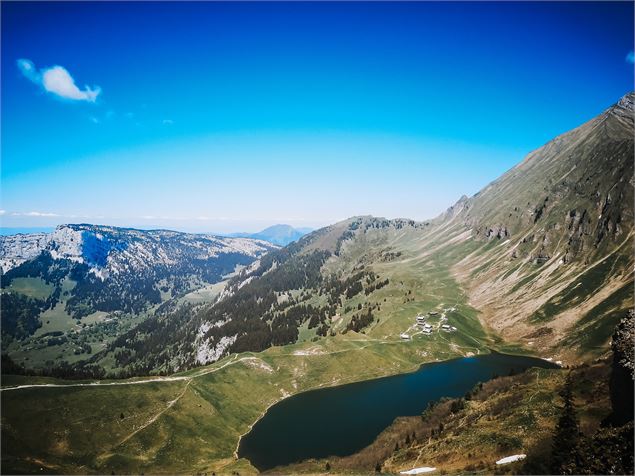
{"x": 540, "y": 261}
{"x": 555, "y": 268}
{"x": 543, "y": 257}
{"x": 85, "y": 277}
{"x": 280, "y": 235}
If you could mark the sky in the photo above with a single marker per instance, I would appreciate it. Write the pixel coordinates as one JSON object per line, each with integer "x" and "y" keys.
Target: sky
{"x": 225, "y": 117}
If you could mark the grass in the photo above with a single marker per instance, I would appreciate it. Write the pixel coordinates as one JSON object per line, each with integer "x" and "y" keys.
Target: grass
{"x": 305, "y": 334}
{"x": 194, "y": 425}
{"x": 586, "y": 285}
{"x": 96, "y": 329}
{"x": 35, "y": 288}
{"x": 595, "y": 328}
{"x": 200, "y": 431}
{"x": 206, "y": 294}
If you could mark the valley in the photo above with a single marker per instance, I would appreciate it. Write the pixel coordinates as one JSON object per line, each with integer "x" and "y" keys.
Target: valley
{"x": 539, "y": 263}
{"x": 68, "y": 294}
{"x": 326, "y": 238}
{"x": 227, "y": 397}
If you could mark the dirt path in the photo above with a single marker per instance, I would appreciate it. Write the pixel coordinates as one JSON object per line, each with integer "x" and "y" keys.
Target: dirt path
{"x": 94, "y": 384}
{"x": 188, "y": 378}
{"x": 155, "y": 417}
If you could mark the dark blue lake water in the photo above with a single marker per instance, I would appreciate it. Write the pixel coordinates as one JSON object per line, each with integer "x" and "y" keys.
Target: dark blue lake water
{"x": 342, "y": 420}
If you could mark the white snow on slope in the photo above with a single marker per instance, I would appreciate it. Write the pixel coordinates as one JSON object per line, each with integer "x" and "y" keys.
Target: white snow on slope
{"x": 511, "y": 459}
{"x": 423, "y": 469}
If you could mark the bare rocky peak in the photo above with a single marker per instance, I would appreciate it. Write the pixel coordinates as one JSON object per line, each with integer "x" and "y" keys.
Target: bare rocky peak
{"x": 121, "y": 248}
{"x": 627, "y": 102}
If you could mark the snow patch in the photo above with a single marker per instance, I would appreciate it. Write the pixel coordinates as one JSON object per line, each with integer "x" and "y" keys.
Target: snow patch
{"x": 511, "y": 459}
{"x": 423, "y": 469}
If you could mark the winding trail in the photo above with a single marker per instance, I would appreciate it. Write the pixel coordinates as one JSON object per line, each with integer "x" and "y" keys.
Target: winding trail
{"x": 233, "y": 360}
{"x": 199, "y": 373}
{"x": 93, "y": 384}
{"x": 155, "y": 417}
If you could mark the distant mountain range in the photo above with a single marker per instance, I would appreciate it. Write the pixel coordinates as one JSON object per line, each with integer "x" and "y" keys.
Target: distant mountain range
{"x": 79, "y": 271}
{"x": 280, "y": 235}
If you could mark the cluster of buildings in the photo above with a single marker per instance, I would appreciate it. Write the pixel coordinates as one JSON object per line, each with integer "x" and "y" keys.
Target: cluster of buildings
{"x": 426, "y": 328}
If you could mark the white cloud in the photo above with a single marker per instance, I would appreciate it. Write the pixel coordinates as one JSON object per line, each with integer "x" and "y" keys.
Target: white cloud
{"x": 40, "y": 214}
{"x": 168, "y": 122}
{"x": 2, "y": 212}
{"x": 33, "y": 214}
{"x": 57, "y": 81}
{"x": 630, "y": 57}
{"x": 94, "y": 120}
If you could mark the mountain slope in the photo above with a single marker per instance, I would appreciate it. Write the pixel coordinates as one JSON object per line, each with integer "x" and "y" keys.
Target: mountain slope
{"x": 305, "y": 291}
{"x": 78, "y": 278}
{"x": 556, "y": 265}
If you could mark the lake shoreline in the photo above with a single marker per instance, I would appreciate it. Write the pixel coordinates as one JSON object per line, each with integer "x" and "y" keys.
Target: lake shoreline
{"x": 491, "y": 362}
{"x": 416, "y": 368}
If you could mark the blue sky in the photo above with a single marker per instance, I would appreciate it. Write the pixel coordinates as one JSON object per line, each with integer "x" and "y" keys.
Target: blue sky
{"x": 224, "y": 117}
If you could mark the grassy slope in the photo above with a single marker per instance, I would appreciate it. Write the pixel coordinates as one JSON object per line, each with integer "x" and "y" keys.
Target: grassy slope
{"x": 96, "y": 329}
{"x": 508, "y": 416}
{"x": 569, "y": 203}
{"x": 198, "y": 420}
{"x": 194, "y": 425}
{"x": 200, "y": 430}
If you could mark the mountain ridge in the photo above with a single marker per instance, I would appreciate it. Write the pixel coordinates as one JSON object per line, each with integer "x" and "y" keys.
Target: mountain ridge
{"x": 81, "y": 285}
{"x": 504, "y": 270}
{"x": 565, "y": 207}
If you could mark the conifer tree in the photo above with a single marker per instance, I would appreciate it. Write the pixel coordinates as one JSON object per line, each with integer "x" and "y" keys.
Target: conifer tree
{"x": 567, "y": 433}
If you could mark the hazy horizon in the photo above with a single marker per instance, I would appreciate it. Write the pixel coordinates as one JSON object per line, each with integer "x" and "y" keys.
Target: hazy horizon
{"x": 15, "y": 230}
